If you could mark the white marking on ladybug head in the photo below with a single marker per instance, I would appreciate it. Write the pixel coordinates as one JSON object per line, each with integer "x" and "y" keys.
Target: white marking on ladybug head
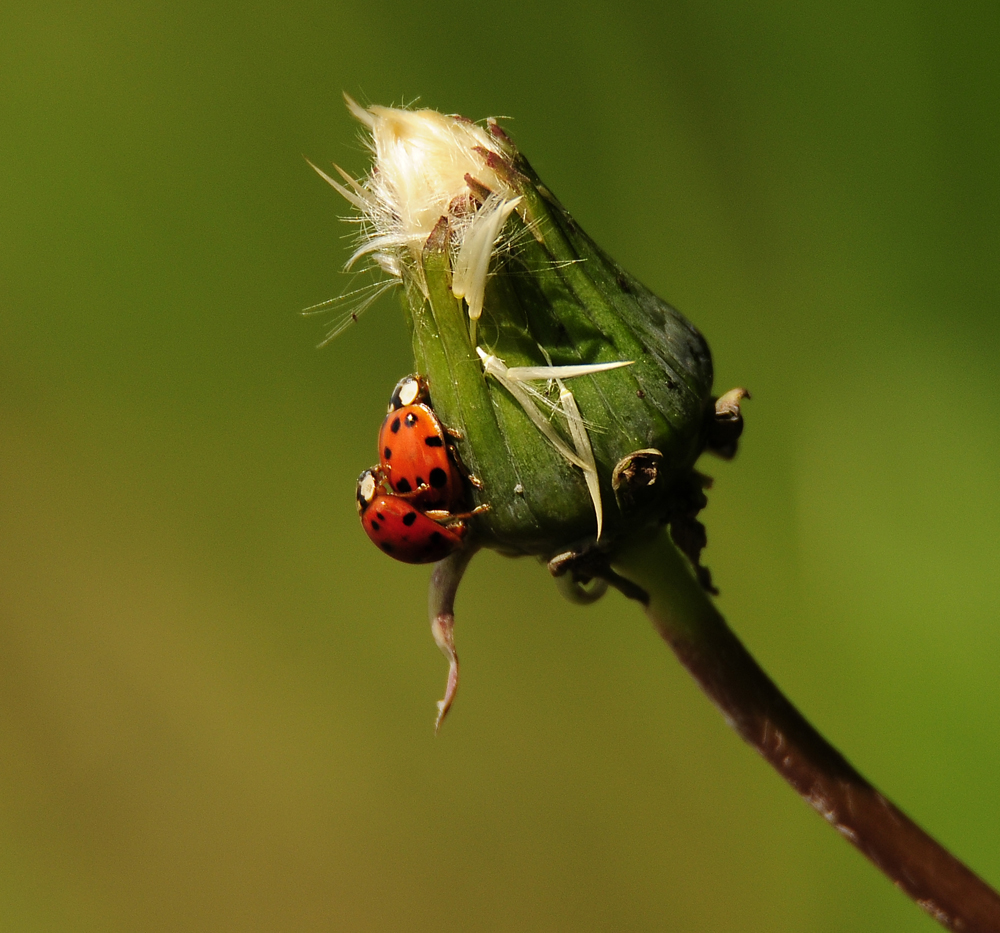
{"x": 409, "y": 391}
{"x": 367, "y": 487}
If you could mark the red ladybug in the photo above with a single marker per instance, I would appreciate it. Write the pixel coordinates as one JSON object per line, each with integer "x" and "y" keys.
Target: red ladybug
{"x": 402, "y": 530}
{"x": 414, "y": 453}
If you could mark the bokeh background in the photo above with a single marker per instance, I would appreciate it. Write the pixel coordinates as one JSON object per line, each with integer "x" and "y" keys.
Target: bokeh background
{"x": 216, "y": 697}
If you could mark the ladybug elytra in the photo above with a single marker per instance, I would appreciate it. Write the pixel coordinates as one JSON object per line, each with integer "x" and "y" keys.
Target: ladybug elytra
{"x": 401, "y": 529}
{"x": 415, "y": 455}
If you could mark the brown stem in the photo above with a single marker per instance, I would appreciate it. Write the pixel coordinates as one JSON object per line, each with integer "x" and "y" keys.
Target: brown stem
{"x": 749, "y": 700}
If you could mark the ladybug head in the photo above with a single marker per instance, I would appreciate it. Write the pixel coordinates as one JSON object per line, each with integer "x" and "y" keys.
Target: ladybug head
{"x": 368, "y": 485}
{"x": 410, "y": 390}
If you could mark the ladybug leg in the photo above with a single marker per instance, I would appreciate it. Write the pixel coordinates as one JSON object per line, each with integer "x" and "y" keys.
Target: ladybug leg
{"x": 413, "y": 493}
{"x": 471, "y": 478}
{"x": 440, "y": 515}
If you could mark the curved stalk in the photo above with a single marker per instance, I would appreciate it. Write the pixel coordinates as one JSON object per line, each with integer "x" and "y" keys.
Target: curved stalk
{"x": 656, "y": 574}
{"x": 445, "y": 579}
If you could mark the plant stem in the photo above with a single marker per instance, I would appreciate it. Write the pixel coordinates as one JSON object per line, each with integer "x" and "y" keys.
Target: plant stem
{"x": 656, "y": 574}
{"x": 445, "y": 579}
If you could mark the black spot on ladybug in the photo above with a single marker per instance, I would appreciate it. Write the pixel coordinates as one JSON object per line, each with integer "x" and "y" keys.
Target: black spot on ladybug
{"x": 438, "y": 478}
{"x": 434, "y": 441}
{"x": 402, "y": 485}
{"x": 375, "y": 526}
{"x": 394, "y": 427}
{"x": 381, "y": 517}
{"x": 409, "y": 518}
{"x": 411, "y": 420}
{"x": 387, "y": 454}
{"x": 387, "y": 547}
{"x": 436, "y": 537}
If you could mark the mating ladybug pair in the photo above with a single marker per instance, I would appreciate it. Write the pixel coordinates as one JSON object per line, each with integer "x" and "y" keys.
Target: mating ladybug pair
{"x": 413, "y": 504}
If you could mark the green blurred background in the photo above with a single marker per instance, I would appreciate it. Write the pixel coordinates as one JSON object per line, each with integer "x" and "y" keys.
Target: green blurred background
{"x": 216, "y": 697}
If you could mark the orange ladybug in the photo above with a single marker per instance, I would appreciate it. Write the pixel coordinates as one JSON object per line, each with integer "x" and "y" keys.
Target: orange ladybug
{"x": 415, "y": 455}
{"x": 402, "y": 530}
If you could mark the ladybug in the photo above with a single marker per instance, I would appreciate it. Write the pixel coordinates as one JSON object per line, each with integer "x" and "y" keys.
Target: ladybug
{"x": 415, "y": 455}
{"x": 401, "y": 529}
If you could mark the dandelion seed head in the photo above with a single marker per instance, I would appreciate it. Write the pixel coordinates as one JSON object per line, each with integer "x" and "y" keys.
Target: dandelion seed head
{"x": 427, "y": 165}
{"x": 422, "y": 158}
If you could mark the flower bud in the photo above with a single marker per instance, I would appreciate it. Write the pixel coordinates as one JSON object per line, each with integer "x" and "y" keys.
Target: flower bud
{"x": 558, "y": 372}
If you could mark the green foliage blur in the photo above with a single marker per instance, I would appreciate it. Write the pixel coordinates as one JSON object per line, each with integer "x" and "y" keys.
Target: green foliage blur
{"x": 216, "y": 697}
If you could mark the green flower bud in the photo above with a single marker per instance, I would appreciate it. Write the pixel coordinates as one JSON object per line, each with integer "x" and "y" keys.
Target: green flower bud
{"x": 579, "y": 399}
